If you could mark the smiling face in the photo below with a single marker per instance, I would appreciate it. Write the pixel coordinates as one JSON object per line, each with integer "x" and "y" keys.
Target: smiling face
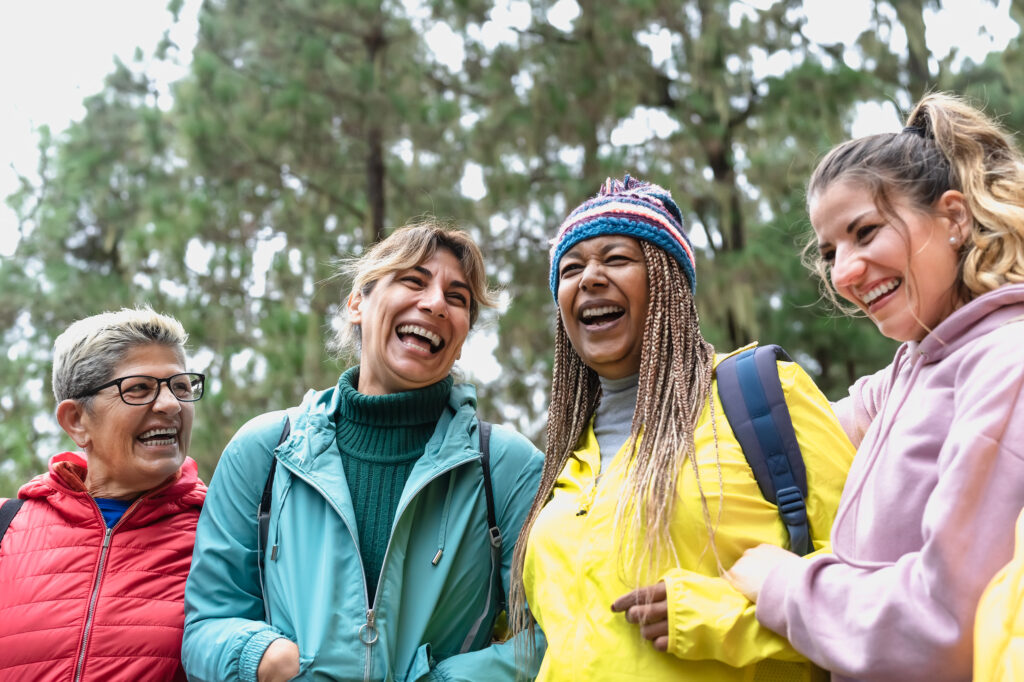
{"x": 131, "y": 448}
{"x": 900, "y": 270}
{"x": 603, "y": 298}
{"x": 412, "y": 325}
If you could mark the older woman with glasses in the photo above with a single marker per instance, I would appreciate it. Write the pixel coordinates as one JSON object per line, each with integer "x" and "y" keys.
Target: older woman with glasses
{"x": 95, "y": 554}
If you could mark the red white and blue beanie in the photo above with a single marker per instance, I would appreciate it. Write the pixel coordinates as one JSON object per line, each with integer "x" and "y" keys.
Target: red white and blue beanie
{"x": 629, "y": 207}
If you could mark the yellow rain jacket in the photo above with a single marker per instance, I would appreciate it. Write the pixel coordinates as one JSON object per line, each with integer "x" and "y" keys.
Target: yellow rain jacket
{"x": 999, "y": 630}
{"x": 574, "y": 571}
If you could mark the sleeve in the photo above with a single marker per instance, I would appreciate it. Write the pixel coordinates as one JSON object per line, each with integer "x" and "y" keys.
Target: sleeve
{"x": 732, "y": 636}
{"x": 513, "y": 459}
{"x": 708, "y": 618}
{"x": 879, "y": 619}
{"x": 225, "y": 634}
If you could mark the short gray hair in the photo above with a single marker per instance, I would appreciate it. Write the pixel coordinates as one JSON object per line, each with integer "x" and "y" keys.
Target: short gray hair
{"x": 87, "y": 353}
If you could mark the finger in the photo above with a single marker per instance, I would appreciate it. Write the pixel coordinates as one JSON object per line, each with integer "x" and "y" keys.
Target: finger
{"x": 625, "y": 601}
{"x": 643, "y": 595}
{"x": 648, "y": 613}
{"x": 661, "y": 644}
{"x": 655, "y": 630}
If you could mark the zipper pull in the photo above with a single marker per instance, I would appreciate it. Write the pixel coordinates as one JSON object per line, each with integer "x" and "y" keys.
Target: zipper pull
{"x": 368, "y": 630}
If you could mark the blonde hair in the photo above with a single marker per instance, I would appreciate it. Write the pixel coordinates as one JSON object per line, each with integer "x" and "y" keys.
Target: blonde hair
{"x": 947, "y": 144}
{"x": 406, "y": 248}
{"x": 87, "y": 353}
{"x": 673, "y": 385}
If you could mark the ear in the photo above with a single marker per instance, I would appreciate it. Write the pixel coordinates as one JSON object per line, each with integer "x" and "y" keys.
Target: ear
{"x": 353, "y": 303}
{"x": 71, "y": 417}
{"x": 953, "y": 206}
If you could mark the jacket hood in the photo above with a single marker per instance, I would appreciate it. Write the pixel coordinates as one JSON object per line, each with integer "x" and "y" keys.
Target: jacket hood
{"x": 63, "y": 486}
{"x": 975, "y": 319}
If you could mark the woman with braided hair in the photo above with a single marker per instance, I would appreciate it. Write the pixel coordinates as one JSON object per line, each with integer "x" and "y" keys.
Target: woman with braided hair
{"x": 645, "y": 492}
{"x": 922, "y": 231}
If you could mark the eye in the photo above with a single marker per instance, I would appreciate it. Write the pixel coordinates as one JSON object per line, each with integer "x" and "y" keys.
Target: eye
{"x": 569, "y": 269}
{"x": 827, "y": 256}
{"x": 137, "y": 386}
{"x": 412, "y": 280}
{"x": 866, "y": 232}
{"x": 458, "y": 297}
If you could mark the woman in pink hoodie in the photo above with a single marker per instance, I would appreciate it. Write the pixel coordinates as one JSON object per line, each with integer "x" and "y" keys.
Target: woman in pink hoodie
{"x": 922, "y": 231}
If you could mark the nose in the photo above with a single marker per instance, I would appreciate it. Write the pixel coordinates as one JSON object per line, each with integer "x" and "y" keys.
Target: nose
{"x": 847, "y": 269}
{"x": 593, "y": 275}
{"x": 165, "y": 402}
{"x": 432, "y": 300}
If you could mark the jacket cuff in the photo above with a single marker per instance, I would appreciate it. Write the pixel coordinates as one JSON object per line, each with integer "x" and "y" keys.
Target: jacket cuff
{"x": 771, "y": 600}
{"x": 252, "y": 654}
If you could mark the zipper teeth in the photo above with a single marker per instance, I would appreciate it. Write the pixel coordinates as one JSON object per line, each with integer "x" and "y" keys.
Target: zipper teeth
{"x": 371, "y": 611}
{"x": 92, "y": 604}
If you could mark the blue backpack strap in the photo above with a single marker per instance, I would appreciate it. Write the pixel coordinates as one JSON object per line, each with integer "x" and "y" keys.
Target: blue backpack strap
{"x": 8, "y": 509}
{"x": 755, "y": 405}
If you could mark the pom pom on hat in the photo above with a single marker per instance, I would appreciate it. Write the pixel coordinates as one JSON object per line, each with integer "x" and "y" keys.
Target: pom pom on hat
{"x": 629, "y": 207}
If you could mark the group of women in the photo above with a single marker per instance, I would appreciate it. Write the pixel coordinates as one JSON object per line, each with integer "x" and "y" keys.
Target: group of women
{"x": 380, "y": 529}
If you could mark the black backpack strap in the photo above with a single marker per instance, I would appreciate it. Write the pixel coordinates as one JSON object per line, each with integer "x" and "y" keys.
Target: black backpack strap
{"x": 263, "y": 513}
{"x": 7, "y": 511}
{"x": 755, "y": 405}
{"x": 493, "y": 536}
{"x": 493, "y": 532}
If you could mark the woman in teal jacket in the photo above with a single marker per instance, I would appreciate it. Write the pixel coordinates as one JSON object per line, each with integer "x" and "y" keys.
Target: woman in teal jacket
{"x": 377, "y": 563}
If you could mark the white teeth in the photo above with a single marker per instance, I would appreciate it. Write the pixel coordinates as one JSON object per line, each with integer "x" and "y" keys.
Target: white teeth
{"x": 876, "y": 293}
{"x": 591, "y": 313}
{"x": 434, "y": 339}
{"x": 172, "y": 432}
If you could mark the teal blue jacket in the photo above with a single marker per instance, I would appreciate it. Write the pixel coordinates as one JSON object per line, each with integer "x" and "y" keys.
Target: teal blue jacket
{"x": 434, "y": 589}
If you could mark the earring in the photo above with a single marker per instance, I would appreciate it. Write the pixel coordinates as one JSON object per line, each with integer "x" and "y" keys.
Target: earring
{"x": 952, "y": 240}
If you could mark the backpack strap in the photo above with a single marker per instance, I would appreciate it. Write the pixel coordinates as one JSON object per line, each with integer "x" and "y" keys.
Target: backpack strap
{"x": 8, "y": 509}
{"x": 493, "y": 536}
{"x": 263, "y": 512}
{"x": 493, "y": 532}
{"x": 755, "y": 405}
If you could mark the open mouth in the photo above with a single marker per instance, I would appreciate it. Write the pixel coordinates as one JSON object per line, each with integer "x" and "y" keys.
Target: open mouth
{"x": 880, "y": 291}
{"x": 165, "y": 436}
{"x": 417, "y": 336}
{"x": 601, "y": 315}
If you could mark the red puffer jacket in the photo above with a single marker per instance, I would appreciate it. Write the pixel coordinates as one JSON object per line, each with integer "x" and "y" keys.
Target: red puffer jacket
{"x": 79, "y": 602}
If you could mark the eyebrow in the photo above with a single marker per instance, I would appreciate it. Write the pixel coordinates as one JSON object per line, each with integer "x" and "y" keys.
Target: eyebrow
{"x": 455, "y": 282}
{"x": 849, "y": 228}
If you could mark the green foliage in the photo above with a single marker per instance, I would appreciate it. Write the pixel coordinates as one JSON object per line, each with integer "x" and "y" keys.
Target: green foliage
{"x": 305, "y": 131}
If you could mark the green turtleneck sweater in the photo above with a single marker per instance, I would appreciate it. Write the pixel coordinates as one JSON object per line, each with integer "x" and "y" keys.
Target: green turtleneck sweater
{"x": 380, "y": 438}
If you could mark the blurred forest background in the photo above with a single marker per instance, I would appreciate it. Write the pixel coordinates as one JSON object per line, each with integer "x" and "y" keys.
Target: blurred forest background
{"x": 307, "y": 129}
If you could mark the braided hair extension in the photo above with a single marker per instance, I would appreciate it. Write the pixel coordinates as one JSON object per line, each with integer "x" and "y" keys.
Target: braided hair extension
{"x": 676, "y": 369}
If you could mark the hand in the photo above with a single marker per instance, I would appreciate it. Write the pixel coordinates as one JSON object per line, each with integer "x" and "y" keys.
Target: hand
{"x": 749, "y": 574}
{"x": 648, "y": 608}
{"x": 280, "y": 661}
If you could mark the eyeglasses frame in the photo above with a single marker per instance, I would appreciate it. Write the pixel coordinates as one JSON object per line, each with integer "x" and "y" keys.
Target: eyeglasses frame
{"x": 159, "y": 386}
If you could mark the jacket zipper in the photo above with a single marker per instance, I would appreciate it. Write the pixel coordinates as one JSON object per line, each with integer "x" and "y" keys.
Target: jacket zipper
{"x": 92, "y": 604}
{"x": 368, "y": 633}
{"x": 108, "y": 532}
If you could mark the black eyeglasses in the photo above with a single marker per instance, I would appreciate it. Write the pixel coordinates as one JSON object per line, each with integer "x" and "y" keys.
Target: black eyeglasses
{"x": 142, "y": 390}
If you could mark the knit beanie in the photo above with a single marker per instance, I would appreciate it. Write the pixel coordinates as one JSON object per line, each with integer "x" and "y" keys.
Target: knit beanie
{"x": 629, "y": 207}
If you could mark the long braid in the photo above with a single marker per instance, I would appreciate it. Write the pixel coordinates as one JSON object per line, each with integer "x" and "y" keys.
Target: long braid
{"x": 674, "y": 383}
{"x": 676, "y": 368}
{"x": 575, "y": 390}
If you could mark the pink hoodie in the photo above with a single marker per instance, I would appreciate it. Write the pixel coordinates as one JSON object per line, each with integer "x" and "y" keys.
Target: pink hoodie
{"x": 927, "y": 514}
